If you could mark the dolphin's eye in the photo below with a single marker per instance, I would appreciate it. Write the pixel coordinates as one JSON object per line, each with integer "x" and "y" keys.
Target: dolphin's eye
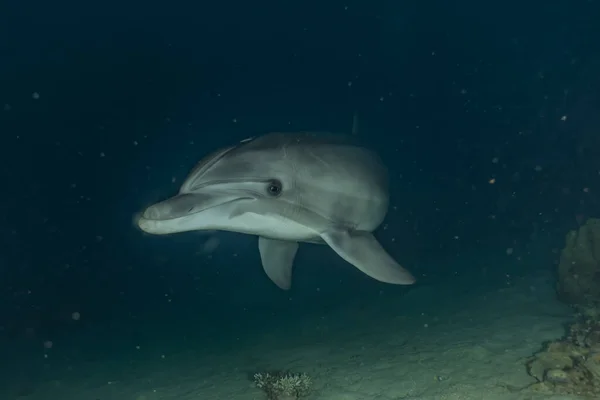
{"x": 274, "y": 188}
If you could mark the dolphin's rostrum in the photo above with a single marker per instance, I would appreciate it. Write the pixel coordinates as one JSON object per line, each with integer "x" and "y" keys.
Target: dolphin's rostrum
{"x": 288, "y": 188}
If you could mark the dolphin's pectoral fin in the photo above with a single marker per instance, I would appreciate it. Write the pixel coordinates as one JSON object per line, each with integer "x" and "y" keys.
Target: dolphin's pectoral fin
{"x": 277, "y": 258}
{"x": 362, "y": 250}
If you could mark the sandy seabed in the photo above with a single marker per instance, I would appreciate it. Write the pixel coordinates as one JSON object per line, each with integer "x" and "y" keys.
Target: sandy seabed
{"x": 470, "y": 343}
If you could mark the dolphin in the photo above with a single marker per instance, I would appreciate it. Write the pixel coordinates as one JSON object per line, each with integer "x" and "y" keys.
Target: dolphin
{"x": 288, "y": 188}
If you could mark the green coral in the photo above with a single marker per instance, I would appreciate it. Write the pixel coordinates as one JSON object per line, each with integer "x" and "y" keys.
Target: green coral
{"x": 283, "y": 385}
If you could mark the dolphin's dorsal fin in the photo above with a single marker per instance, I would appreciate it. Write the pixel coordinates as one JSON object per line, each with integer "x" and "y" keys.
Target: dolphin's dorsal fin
{"x": 355, "y": 124}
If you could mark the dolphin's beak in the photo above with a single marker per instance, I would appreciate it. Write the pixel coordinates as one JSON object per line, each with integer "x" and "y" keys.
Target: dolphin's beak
{"x": 178, "y": 206}
{"x": 183, "y": 212}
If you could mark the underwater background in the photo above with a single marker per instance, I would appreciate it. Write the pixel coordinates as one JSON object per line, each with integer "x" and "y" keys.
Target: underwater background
{"x": 487, "y": 115}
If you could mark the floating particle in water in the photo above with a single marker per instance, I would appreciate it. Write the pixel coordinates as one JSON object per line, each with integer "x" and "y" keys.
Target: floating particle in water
{"x": 48, "y": 344}
{"x": 538, "y": 168}
{"x": 76, "y": 316}
{"x": 495, "y": 160}
{"x": 210, "y": 245}
{"x": 509, "y": 251}
{"x": 7, "y": 107}
{"x": 35, "y": 95}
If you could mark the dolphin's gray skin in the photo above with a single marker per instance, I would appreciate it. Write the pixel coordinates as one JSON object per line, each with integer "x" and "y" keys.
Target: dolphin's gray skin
{"x": 288, "y": 188}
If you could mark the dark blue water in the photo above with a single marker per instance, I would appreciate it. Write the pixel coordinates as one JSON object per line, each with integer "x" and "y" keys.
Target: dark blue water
{"x": 486, "y": 114}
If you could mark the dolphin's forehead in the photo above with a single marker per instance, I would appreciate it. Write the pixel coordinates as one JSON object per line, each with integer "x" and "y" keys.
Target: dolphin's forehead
{"x": 235, "y": 162}
{"x": 276, "y": 155}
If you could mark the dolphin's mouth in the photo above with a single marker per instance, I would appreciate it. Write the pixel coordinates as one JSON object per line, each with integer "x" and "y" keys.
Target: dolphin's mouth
{"x": 179, "y": 214}
{"x": 185, "y": 205}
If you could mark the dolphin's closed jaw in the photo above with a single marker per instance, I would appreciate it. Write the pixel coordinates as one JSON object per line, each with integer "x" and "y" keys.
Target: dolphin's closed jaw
{"x": 183, "y": 213}
{"x": 161, "y": 227}
{"x": 146, "y": 224}
{"x": 174, "y": 207}
{"x": 160, "y": 219}
{"x": 153, "y": 219}
{"x": 151, "y": 213}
